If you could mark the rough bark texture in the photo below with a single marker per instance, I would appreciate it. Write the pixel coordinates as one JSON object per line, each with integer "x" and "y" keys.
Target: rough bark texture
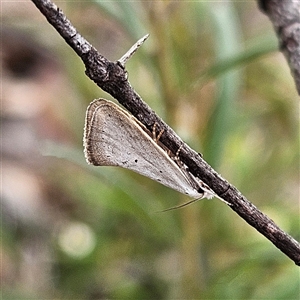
{"x": 285, "y": 17}
{"x": 112, "y": 78}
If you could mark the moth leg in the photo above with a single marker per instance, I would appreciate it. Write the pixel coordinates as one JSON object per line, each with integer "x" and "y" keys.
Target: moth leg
{"x": 177, "y": 159}
{"x": 220, "y": 197}
{"x": 154, "y": 136}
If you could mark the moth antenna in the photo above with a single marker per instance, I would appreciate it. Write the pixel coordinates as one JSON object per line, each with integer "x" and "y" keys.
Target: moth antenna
{"x": 181, "y": 205}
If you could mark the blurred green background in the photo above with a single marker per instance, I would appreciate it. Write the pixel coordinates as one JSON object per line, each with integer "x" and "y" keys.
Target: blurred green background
{"x": 212, "y": 71}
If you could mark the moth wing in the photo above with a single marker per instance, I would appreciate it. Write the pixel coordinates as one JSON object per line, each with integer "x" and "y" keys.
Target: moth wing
{"x": 113, "y": 137}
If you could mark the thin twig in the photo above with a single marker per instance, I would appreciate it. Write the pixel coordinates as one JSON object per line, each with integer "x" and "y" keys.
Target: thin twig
{"x": 123, "y": 60}
{"x": 285, "y": 16}
{"x": 112, "y": 78}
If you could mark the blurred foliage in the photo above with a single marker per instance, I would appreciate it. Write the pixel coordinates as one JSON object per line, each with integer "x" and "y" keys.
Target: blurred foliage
{"x": 212, "y": 71}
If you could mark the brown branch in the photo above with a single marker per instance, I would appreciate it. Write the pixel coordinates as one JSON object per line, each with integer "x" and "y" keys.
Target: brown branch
{"x": 112, "y": 78}
{"x": 285, "y": 16}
